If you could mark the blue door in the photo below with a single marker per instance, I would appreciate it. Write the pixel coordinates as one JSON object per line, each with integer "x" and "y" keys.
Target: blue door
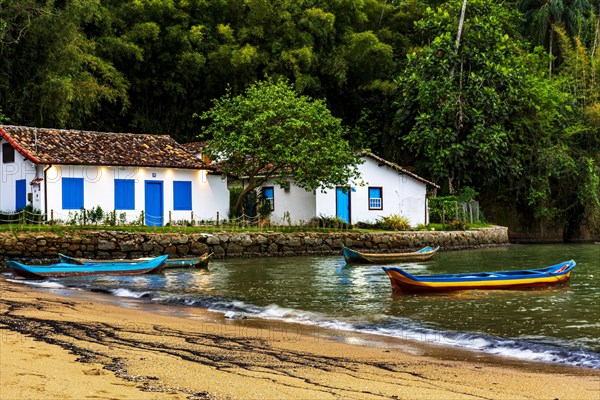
{"x": 342, "y": 203}
{"x": 21, "y": 195}
{"x": 154, "y": 203}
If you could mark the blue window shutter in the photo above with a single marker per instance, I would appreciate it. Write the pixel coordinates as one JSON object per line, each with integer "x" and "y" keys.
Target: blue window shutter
{"x": 21, "y": 195}
{"x": 182, "y": 195}
{"x": 268, "y": 193}
{"x": 124, "y": 194}
{"x": 72, "y": 193}
{"x": 374, "y": 193}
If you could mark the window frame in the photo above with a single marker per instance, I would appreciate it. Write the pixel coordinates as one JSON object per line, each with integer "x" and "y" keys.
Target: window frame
{"x": 380, "y": 188}
{"x": 6, "y": 146}
{"x": 271, "y": 200}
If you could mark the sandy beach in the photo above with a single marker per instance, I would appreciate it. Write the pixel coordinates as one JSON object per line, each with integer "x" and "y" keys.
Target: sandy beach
{"x": 86, "y": 346}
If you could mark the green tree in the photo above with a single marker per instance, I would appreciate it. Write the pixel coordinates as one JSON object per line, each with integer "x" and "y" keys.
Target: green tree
{"x": 50, "y": 71}
{"x": 271, "y": 132}
{"x": 542, "y": 16}
{"x": 457, "y": 103}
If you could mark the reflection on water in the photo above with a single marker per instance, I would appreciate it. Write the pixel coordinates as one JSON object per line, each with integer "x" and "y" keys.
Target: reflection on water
{"x": 325, "y": 290}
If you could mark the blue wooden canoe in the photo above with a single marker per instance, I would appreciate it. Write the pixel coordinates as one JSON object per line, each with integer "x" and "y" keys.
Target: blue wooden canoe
{"x": 193, "y": 262}
{"x": 353, "y": 256}
{"x": 59, "y": 270}
{"x": 402, "y": 281}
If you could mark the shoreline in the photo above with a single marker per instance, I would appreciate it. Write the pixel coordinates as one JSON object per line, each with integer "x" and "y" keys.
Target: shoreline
{"x": 198, "y": 354}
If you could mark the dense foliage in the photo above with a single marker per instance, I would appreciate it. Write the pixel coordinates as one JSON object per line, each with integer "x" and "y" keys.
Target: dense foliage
{"x": 272, "y": 133}
{"x": 509, "y": 104}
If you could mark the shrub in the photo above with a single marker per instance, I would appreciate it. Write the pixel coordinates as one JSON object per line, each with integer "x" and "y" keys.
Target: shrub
{"x": 421, "y": 227}
{"x": 456, "y": 225}
{"x": 330, "y": 222}
{"x": 394, "y": 223}
{"x": 367, "y": 225}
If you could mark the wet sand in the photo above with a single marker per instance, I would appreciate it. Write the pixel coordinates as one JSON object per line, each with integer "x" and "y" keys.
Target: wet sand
{"x": 57, "y": 347}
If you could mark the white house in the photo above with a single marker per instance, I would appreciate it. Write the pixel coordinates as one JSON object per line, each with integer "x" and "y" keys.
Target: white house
{"x": 62, "y": 171}
{"x": 384, "y": 189}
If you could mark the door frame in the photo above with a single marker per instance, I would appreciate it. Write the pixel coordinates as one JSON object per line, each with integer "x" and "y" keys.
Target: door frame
{"x": 349, "y": 202}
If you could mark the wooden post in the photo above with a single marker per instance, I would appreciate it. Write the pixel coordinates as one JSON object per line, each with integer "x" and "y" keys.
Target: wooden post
{"x": 471, "y": 211}
{"x": 444, "y": 213}
{"x": 143, "y": 218}
{"x": 218, "y": 214}
{"x": 192, "y": 219}
{"x": 170, "y": 220}
{"x": 84, "y": 217}
{"x": 51, "y": 217}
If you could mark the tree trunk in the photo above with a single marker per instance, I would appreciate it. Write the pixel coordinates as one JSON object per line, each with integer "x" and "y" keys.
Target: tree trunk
{"x": 238, "y": 203}
{"x": 550, "y": 51}
{"x": 461, "y": 22}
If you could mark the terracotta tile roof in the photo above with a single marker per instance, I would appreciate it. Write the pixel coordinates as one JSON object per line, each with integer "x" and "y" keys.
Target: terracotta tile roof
{"x": 61, "y": 146}
{"x": 398, "y": 168}
{"x": 195, "y": 147}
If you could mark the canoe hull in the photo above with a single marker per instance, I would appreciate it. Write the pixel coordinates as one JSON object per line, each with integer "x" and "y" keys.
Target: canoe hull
{"x": 64, "y": 274}
{"x": 62, "y": 270}
{"x": 403, "y": 282}
{"x": 356, "y": 257}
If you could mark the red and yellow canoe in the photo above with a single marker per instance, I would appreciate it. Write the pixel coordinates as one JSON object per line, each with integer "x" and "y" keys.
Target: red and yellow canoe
{"x": 402, "y": 281}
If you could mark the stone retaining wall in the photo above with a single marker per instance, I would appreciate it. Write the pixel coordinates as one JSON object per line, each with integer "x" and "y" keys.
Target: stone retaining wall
{"x": 115, "y": 244}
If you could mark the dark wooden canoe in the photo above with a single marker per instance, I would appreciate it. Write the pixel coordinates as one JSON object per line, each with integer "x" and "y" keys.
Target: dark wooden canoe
{"x": 195, "y": 262}
{"x": 353, "y": 256}
{"x": 154, "y": 265}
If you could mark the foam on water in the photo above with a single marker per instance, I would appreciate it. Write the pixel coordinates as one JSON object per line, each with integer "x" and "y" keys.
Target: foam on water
{"x": 403, "y": 328}
{"x": 41, "y": 284}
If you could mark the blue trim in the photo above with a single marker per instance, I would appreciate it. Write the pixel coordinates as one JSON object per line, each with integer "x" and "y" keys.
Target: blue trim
{"x": 374, "y": 193}
{"x": 20, "y": 194}
{"x": 182, "y": 195}
{"x": 124, "y": 194}
{"x": 154, "y": 203}
{"x": 72, "y": 193}
{"x": 342, "y": 203}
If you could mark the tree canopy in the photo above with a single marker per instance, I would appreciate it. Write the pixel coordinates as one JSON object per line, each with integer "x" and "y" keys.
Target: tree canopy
{"x": 512, "y": 111}
{"x": 271, "y": 132}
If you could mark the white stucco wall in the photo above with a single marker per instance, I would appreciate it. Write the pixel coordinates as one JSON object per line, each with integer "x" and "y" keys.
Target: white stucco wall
{"x": 295, "y": 204}
{"x": 402, "y": 195}
{"x": 209, "y": 192}
{"x": 21, "y": 168}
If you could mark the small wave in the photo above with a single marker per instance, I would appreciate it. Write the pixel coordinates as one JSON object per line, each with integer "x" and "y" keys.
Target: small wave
{"x": 527, "y": 348}
{"x": 42, "y": 284}
{"x": 406, "y": 329}
{"x": 130, "y": 293}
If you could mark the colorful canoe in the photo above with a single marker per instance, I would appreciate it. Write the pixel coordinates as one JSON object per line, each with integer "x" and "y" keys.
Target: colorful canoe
{"x": 402, "y": 281}
{"x": 196, "y": 262}
{"x": 60, "y": 270}
{"x": 353, "y": 256}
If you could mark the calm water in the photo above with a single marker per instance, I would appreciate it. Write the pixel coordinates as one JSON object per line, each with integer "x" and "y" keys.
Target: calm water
{"x": 559, "y": 324}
